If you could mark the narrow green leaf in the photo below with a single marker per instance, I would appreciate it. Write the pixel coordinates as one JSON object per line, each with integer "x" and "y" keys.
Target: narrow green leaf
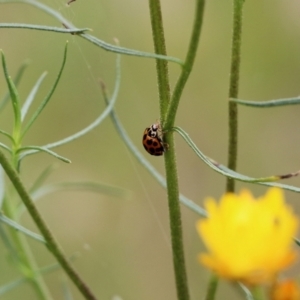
{"x": 52, "y": 245}
{"x": 92, "y": 39}
{"x": 47, "y": 98}
{"x": 13, "y": 95}
{"x": 43, "y": 149}
{"x": 7, "y": 135}
{"x": 44, "y": 28}
{"x": 127, "y": 51}
{"x": 31, "y": 96}
{"x": 269, "y": 103}
{"x": 143, "y": 161}
{"x": 17, "y": 80}
{"x": 22, "y": 229}
{"x": 230, "y": 173}
{"x": 97, "y": 122}
{"x": 5, "y": 147}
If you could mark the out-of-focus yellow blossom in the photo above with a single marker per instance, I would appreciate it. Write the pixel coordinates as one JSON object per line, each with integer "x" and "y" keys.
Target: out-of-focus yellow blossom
{"x": 285, "y": 290}
{"x": 249, "y": 240}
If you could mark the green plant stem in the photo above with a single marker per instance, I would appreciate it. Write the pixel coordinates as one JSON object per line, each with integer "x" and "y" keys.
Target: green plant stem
{"x": 170, "y": 159}
{"x": 175, "y": 221}
{"x": 90, "y": 38}
{"x": 52, "y": 245}
{"x": 258, "y": 293}
{"x": 44, "y": 28}
{"x": 233, "y": 89}
{"x": 188, "y": 64}
{"x": 168, "y": 118}
{"x": 26, "y": 261}
{"x": 212, "y": 288}
{"x": 161, "y": 65}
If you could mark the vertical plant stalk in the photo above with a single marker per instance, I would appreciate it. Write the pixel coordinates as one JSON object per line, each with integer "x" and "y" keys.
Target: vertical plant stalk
{"x": 212, "y": 288}
{"x": 161, "y": 65}
{"x": 52, "y": 245}
{"x": 170, "y": 159}
{"x": 168, "y": 112}
{"x": 233, "y": 89}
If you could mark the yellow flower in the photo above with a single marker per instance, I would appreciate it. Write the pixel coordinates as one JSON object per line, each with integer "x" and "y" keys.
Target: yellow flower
{"x": 249, "y": 240}
{"x": 285, "y": 290}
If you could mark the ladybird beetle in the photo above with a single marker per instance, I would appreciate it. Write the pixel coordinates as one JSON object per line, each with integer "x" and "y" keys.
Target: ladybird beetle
{"x": 152, "y": 140}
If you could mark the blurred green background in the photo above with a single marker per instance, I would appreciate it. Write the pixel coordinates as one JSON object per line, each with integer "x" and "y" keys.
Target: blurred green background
{"x": 124, "y": 243}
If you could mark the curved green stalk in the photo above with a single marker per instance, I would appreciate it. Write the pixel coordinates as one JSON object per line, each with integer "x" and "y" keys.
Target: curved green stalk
{"x": 221, "y": 169}
{"x": 44, "y": 28}
{"x": 268, "y": 103}
{"x": 52, "y": 245}
{"x": 144, "y": 162}
{"x": 233, "y": 89}
{"x": 91, "y": 38}
{"x": 187, "y": 66}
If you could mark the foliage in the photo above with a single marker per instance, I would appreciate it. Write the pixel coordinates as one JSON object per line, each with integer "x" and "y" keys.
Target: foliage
{"x": 169, "y": 100}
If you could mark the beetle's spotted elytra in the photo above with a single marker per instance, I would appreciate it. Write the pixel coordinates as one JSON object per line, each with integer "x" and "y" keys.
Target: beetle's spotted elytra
{"x": 152, "y": 140}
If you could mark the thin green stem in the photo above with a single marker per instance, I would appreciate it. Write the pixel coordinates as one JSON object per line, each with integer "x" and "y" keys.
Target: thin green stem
{"x": 52, "y": 245}
{"x": 233, "y": 89}
{"x": 161, "y": 65}
{"x": 188, "y": 64}
{"x": 25, "y": 261}
{"x": 175, "y": 221}
{"x": 168, "y": 118}
{"x": 268, "y": 103}
{"x": 258, "y": 293}
{"x": 170, "y": 158}
{"x": 89, "y": 37}
{"x": 44, "y": 28}
{"x": 212, "y": 288}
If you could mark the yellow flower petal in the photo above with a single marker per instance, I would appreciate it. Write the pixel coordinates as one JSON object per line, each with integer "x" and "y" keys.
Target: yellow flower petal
{"x": 248, "y": 239}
